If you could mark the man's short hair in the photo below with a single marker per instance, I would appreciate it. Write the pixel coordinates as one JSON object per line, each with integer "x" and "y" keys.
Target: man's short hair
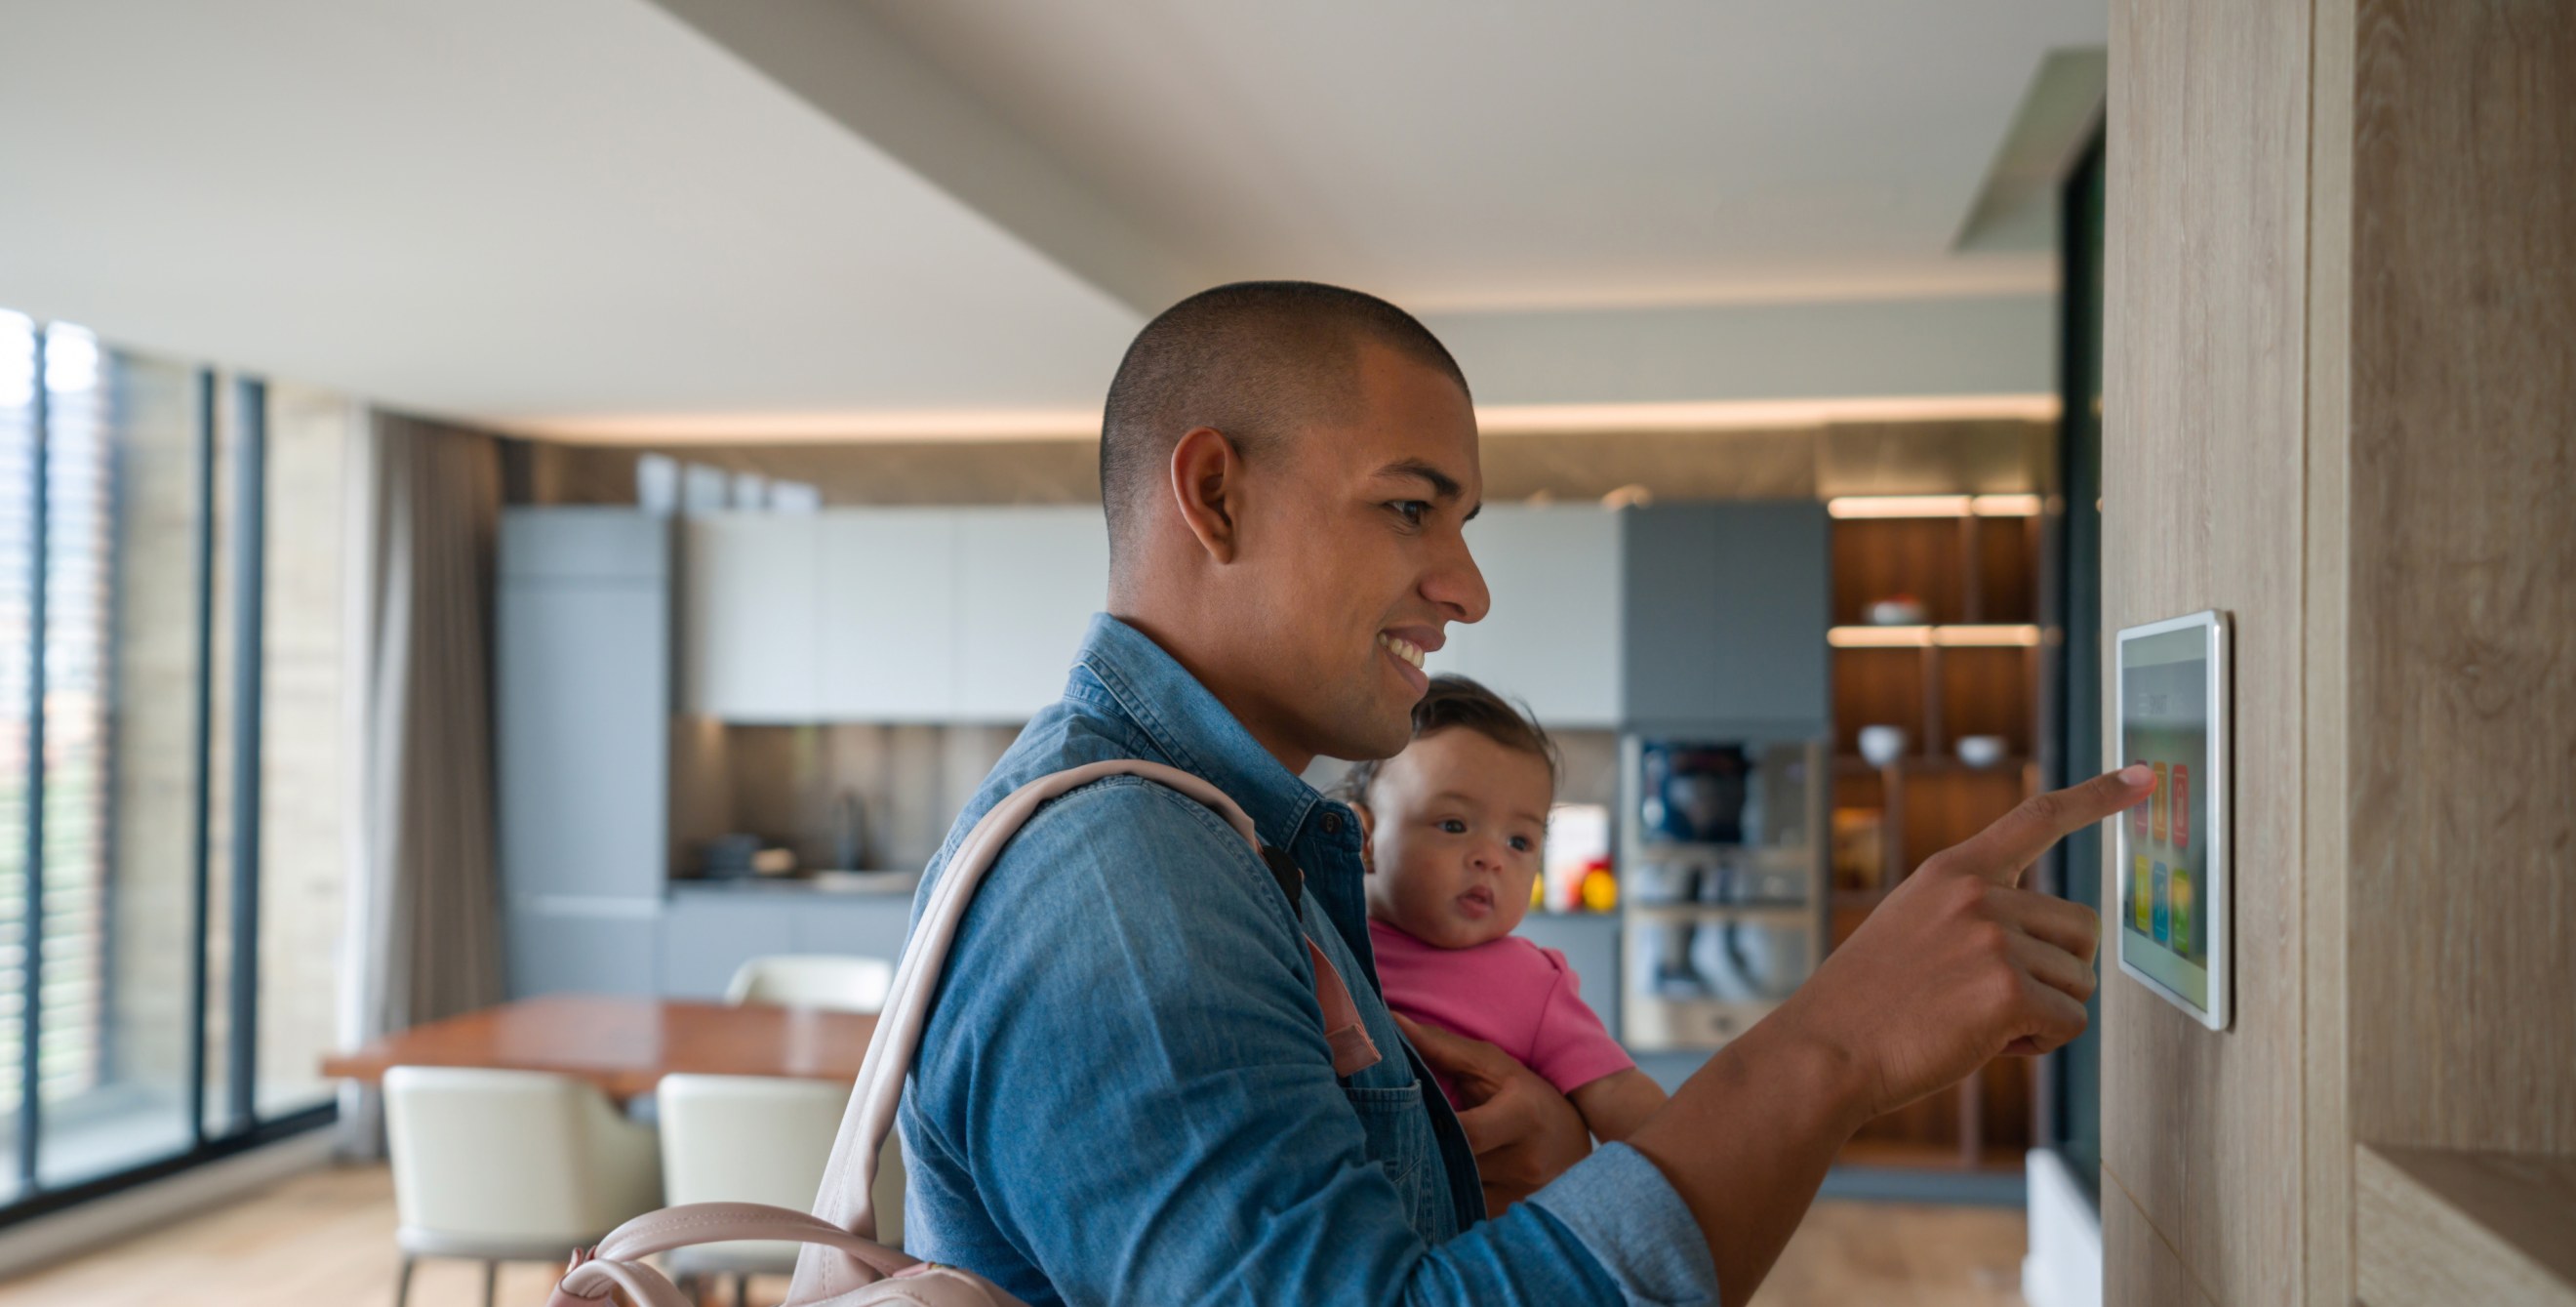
{"x": 1255, "y": 360}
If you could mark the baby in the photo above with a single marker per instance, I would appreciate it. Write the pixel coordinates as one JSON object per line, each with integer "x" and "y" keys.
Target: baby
{"x": 1453, "y": 827}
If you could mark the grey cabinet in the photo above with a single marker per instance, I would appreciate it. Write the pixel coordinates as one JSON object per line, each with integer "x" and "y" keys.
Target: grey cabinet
{"x": 1552, "y": 636}
{"x": 709, "y": 931}
{"x": 1725, "y": 616}
{"x": 707, "y": 934}
{"x": 585, "y": 946}
{"x": 582, "y": 690}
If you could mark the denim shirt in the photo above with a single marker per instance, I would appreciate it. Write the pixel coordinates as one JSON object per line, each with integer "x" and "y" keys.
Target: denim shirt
{"x": 1124, "y": 1095}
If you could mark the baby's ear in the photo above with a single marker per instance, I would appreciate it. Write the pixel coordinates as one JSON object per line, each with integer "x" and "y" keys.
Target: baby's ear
{"x": 1368, "y": 832}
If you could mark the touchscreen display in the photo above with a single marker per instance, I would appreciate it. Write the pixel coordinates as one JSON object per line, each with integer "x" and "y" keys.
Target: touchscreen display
{"x": 2164, "y": 856}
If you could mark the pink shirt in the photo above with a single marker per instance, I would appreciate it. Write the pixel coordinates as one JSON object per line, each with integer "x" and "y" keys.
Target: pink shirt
{"x": 1508, "y": 992}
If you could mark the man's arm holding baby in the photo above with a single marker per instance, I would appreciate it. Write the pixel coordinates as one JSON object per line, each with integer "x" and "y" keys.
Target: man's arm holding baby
{"x": 1616, "y": 1104}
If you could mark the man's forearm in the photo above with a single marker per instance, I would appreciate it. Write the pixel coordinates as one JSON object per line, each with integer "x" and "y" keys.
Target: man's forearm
{"x": 1747, "y": 1140}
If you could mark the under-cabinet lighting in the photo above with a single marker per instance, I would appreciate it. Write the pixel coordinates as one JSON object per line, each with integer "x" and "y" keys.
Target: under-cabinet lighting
{"x": 1899, "y": 505}
{"x": 1959, "y": 636}
{"x": 1933, "y": 505}
{"x": 1878, "y": 637}
{"x": 1916, "y": 637}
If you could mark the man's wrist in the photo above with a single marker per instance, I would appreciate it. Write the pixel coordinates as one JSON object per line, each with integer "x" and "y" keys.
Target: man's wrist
{"x": 1835, "y": 1080}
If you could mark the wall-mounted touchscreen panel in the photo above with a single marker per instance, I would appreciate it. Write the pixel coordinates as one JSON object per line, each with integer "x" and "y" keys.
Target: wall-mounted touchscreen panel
{"x": 2170, "y": 857}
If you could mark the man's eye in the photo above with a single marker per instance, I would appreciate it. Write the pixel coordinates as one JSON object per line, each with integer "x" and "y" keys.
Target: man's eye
{"x": 1411, "y": 510}
{"x": 1453, "y": 826}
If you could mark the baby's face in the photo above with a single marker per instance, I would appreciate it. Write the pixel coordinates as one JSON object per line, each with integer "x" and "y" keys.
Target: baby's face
{"x": 1455, "y": 823}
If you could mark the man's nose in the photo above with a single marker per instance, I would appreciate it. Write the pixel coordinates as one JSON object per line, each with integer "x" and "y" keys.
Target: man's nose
{"x": 1456, "y": 585}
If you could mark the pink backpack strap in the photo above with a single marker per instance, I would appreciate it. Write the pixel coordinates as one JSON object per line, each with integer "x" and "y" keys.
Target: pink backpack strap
{"x": 849, "y": 1180}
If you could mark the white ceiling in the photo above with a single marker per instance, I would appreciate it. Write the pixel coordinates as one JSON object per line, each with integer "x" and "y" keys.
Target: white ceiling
{"x": 1507, "y": 154}
{"x": 492, "y": 207}
{"x": 726, "y": 211}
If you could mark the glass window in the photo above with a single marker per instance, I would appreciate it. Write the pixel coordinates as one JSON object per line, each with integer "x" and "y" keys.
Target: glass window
{"x": 121, "y": 521}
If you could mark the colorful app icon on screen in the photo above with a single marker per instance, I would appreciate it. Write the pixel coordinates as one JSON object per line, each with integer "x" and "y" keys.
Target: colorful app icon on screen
{"x": 2181, "y": 805}
{"x": 2164, "y": 908}
{"x": 2140, "y": 908}
{"x": 2138, "y": 815}
{"x": 2182, "y": 905}
{"x": 2157, "y": 804}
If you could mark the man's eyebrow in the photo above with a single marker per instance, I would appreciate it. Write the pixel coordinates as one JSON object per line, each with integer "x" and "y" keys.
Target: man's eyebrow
{"x": 1442, "y": 484}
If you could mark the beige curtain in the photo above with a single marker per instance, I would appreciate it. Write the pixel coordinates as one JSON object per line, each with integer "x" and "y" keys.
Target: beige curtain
{"x": 424, "y": 905}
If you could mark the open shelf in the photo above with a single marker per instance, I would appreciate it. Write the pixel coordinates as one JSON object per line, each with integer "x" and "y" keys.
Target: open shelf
{"x": 2442, "y": 1226}
{"x": 1972, "y": 668}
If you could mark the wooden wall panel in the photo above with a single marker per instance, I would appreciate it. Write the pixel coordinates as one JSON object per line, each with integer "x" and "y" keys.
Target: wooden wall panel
{"x": 2324, "y": 1061}
{"x": 2203, "y": 473}
{"x": 2463, "y": 576}
{"x": 2139, "y": 1268}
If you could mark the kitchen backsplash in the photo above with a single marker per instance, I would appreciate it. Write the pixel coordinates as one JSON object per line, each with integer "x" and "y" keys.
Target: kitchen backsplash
{"x": 784, "y": 783}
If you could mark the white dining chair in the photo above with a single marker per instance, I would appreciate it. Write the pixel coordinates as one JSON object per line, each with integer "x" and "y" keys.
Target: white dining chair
{"x": 509, "y": 1166}
{"x": 756, "y": 1139}
{"x": 817, "y": 980}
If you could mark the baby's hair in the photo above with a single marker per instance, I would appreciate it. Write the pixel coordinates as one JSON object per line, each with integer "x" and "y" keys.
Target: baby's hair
{"x": 1457, "y": 701}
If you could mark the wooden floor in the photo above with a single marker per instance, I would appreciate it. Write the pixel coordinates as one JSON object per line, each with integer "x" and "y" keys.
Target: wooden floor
{"x": 328, "y": 1238}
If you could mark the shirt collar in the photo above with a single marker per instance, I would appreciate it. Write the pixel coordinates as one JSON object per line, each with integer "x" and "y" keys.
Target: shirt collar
{"x": 1200, "y": 735}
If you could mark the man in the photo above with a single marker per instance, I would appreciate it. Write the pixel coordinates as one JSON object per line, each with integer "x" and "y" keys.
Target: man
{"x": 1125, "y": 1095}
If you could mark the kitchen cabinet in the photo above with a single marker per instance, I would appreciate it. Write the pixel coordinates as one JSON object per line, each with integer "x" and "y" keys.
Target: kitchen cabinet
{"x": 707, "y": 934}
{"x": 1727, "y": 606}
{"x": 710, "y": 930}
{"x": 582, "y": 703}
{"x": 751, "y": 616}
{"x": 887, "y": 614}
{"x": 585, "y": 946}
{"x": 887, "y": 606}
{"x": 1552, "y": 636}
{"x": 1028, "y": 581}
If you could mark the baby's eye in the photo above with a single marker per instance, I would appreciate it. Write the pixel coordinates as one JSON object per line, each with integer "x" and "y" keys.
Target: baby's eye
{"x": 1453, "y": 826}
{"x": 1520, "y": 843}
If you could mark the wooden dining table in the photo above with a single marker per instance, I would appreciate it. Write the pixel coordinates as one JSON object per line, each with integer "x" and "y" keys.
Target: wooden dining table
{"x": 625, "y": 1045}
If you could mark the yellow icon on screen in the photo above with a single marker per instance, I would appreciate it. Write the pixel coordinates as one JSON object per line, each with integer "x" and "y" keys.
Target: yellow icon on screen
{"x": 2142, "y": 904}
{"x": 2182, "y": 911}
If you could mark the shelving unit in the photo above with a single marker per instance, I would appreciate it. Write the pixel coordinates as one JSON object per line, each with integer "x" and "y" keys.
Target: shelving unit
{"x": 1971, "y": 667}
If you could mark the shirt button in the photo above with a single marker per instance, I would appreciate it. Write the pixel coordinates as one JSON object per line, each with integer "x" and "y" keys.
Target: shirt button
{"x": 1332, "y": 823}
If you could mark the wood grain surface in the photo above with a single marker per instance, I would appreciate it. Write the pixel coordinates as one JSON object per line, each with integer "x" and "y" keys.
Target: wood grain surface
{"x": 2463, "y": 576}
{"x": 2205, "y": 255}
{"x": 2438, "y": 1228}
{"x": 626, "y": 1045}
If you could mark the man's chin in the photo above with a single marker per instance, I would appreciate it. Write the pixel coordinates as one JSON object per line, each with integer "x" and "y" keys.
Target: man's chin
{"x": 1383, "y": 735}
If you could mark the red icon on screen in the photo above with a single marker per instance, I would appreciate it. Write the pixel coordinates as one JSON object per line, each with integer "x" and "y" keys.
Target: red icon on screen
{"x": 2138, "y": 815}
{"x": 2160, "y": 802}
{"x": 2181, "y": 805}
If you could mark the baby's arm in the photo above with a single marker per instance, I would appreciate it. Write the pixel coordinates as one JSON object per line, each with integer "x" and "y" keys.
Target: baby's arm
{"x": 1616, "y": 1104}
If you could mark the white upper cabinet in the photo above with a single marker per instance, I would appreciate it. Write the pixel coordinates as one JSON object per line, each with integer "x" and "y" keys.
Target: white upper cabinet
{"x": 888, "y": 649}
{"x": 1028, "y": 581}
{"x": 1552, "y": 636}
{"x": 973, "y": 614}
{"x": 748, "y": 617}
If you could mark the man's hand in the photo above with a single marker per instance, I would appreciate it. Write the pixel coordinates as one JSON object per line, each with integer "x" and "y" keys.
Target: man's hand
{"x": 1524, "y": 1132}
{"x": 1960, "y": 964}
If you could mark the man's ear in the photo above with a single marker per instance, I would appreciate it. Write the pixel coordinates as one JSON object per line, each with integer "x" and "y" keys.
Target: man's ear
{"x": 1207, "y": 482}
{"x": 1368, "y": 832}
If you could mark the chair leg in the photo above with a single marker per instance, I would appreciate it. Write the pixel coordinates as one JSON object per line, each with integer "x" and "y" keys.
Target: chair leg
{"x": 491, "y": 1281}
{"x": 402, "y": 1282}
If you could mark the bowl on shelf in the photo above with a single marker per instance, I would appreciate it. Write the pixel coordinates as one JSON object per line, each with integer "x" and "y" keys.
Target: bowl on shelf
{"x": 1882, "y": 744}
{"x": 1896, "y": 610}
{"x": 1981, "y": 750}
